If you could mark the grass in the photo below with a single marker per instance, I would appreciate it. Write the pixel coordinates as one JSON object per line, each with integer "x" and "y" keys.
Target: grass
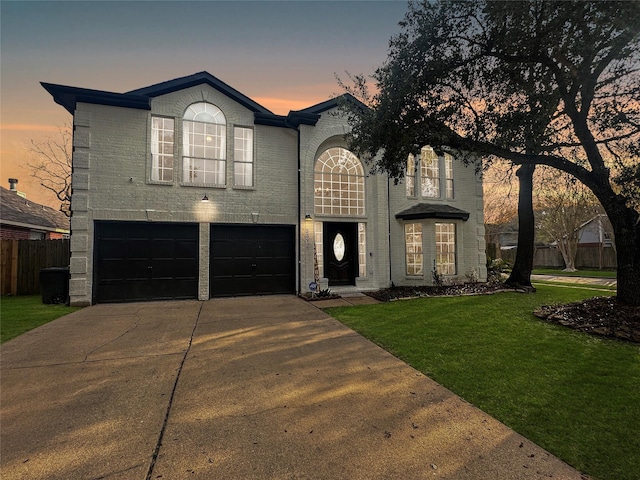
{"x": 24, "y": 313}
{"x": 573, "y": 394}
{"x": 579, "y": 273}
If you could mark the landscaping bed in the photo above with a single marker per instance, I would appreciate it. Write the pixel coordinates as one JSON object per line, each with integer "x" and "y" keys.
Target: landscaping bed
{"x": 604, "y": 316}
{"x": 397, "y": 293}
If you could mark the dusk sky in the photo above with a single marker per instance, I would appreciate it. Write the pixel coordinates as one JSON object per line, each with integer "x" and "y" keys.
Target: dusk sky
{"x": 284, "y": 55}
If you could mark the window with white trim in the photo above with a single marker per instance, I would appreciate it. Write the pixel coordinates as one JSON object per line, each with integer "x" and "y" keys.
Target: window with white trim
{"x": 339, "y": 183}
{"x": 204, "y": 144}
{"x": 446, "y": 248}
{"x": 448, "y": 175}
{"x": 413, "y": 248}
{"x": 319, "y": 247}
{"x": 243, "y": 157}
{"x": 362, "y": 249}
{"x": 411, "y": 176}
{"x": 162, "y": 135}
{"x": 429, "y": 173}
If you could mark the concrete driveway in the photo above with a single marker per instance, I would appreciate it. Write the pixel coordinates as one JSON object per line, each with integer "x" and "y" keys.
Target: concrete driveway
{"x": 246, "y": 388}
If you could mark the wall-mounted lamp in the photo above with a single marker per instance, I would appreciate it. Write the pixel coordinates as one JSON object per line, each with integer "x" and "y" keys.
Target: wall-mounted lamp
{"x": 308, "y": 218}
{"x": 205, "y": 199}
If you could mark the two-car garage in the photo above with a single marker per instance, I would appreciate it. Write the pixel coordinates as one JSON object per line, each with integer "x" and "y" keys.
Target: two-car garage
{"x": 143, "y": 261}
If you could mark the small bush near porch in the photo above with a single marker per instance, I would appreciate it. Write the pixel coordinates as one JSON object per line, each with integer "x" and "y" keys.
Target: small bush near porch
{"x": 574, "y": 394}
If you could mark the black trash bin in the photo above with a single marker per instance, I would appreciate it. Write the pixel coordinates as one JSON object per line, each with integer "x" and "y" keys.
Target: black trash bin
{"x": 54, "y": 285}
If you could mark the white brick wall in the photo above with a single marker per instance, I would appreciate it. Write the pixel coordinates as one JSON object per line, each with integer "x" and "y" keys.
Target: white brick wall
{"x": 111, "y": 181}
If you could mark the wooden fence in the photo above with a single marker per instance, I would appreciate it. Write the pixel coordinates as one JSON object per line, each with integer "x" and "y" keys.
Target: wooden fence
{"x": 21, "y": 261}
{"x": 587, "y": 257}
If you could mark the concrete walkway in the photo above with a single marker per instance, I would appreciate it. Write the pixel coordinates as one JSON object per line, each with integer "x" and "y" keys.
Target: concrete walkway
{"x": 253, "y": 388}
{"x": 587, "y": 281}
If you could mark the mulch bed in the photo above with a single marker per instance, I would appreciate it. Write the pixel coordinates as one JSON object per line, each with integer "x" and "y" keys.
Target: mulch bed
{"x": 604, "y": 316}
{"x": 397, "y": 293}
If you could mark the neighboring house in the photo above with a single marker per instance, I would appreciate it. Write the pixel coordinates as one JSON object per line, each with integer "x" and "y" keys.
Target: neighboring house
{"x": 22, "y": 219}
{"x": 595, "y": 232}
{"x": 190, "y": 189}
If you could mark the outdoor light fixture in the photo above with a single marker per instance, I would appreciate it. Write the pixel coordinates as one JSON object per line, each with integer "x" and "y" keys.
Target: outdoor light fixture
{"x": 308, "y": 217}
{"x": 205, "y": 199}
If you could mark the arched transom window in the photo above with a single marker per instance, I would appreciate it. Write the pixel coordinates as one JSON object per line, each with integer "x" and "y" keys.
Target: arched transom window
{"x": 339, "y": 183}
{"x": 204, "y": 144}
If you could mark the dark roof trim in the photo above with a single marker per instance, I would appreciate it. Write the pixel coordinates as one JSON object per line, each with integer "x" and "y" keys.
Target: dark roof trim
{"x": 293, "y": 120}
{"x": 333, "y": 103}
{"x": 197, "y": 79}
{"x": 68, "y": 97}
{"x": 433, "y": 210}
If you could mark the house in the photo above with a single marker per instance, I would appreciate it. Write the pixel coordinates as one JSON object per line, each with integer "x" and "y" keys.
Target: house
{"x": 596, "y": 232}
{"x": 190, "y": 189}
{"x": 22, "y": 219}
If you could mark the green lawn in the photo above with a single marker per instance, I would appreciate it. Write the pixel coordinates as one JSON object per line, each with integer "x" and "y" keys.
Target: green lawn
{"x": 575, "y": 395}
{"x": 23, "y": 313}
{"x": 579, "y": 273}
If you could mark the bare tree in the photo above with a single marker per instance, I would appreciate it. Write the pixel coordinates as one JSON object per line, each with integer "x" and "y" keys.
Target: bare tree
{"x": 50, "y": 163}
{"x": 564, "y": 205}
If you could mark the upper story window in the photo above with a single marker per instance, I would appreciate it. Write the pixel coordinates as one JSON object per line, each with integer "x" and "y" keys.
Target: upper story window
{"x": 429, "y": 183}
{"x": 411, "y": 176}
{"x": 162, "y": 149}
{"x": 204, "y": 144}
{"x": 243, "y": 156}
{"x": 448, "y": 175}
{"x": 429, "y": 173}
{"x": 339, "y": 183}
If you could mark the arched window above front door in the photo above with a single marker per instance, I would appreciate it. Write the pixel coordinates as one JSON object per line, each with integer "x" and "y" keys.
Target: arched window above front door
{"x": 339, "y": 183}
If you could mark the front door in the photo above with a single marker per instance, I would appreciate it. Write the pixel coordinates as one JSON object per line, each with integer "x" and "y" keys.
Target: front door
{"x": 341, "y": 252}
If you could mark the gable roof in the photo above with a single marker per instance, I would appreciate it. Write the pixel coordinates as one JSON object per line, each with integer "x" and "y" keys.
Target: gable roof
{"x": 197, "y": 79}
{"x": 306, "y": 116}
{"x": 333, "y": 103}
{"x": 432, "y": 210}
{"x": 68, "y": 96}
{"x": 20, "y": 212}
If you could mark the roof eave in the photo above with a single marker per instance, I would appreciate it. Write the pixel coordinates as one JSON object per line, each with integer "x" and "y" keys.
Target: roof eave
{"x": 69, "y": 97}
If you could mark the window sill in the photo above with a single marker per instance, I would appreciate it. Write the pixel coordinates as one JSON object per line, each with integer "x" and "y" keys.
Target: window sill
{"x": 160, "y": 182}
{"x": 242, "y": 187}
{"x": 203, "y": 185}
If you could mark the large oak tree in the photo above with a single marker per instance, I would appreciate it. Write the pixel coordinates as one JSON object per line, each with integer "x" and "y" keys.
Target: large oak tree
{"x": 536, "y": 83}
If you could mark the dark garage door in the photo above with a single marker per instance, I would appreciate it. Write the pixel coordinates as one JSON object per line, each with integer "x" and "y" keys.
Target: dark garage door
{"x": 252, "y": 260}
{"x": 145, "y": 261}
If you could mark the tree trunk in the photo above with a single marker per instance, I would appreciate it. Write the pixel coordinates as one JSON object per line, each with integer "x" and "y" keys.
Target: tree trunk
{"x": 521, "y": 273}
{"x": 627, "y": 234}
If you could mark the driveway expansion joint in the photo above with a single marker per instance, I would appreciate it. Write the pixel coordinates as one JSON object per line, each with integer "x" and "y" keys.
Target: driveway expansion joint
{"x": 156, "y": 451}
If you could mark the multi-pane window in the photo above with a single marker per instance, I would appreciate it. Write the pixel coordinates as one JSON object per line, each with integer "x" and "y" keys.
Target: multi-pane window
{"x": 243, "y": 156}
{"x": 362, "y": 249}
{"x": 427, "y": 183}
{"x": 162, "y": 149}
{"x": 448, "y": 175}
{"x": 319, "y": 246}
{"x": 413, "y": 248}
{"x": 339, "y": 183}
{"x": 446, "y": 248}
{"x": 429, "y": 173}
{"x": 411, "y": 176}
{"x": 204, "y": 144}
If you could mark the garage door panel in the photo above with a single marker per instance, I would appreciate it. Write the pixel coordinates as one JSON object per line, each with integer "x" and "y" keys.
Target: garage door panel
{"x": 138, "y": 261}
{"x": 252, "y": 260}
